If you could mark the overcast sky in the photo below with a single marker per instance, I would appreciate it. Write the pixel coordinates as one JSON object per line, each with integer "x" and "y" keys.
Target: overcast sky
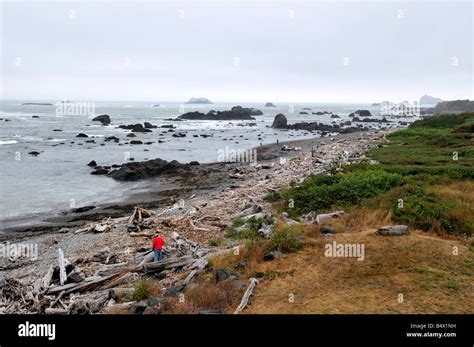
{"x": 238, "y": 51}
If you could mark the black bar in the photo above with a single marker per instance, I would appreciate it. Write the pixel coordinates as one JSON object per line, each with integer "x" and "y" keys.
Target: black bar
{"x": 179, "y": 330}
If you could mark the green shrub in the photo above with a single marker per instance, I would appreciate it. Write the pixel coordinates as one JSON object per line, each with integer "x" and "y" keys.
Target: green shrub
{"x": 443, "y": 121}
{"x": 215, "y": 242}
{"x": 285, "y": 240}
{"x": 413, "y": 165}
{"x": 142, "y": 290}
{"x": 272, "y": 197}
{"x": 467, "y": 127}
{"x": 427, "y": 211}
{"x": 322, "y": 192}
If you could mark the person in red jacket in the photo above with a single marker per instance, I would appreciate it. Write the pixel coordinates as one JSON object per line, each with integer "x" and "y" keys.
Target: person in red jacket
{"x": 157, "y": 245}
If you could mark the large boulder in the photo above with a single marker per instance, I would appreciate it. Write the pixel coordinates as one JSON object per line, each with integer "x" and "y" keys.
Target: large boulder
{"x": 280, "y": 121}
{"x": 149, "y": 125}
{"x": 103, "y": 118}
{"x": 138, "y": 128}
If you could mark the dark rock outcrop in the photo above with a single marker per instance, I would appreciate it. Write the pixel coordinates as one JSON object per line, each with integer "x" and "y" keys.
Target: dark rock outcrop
{"x": 139, "y": 170}
{"x": 361, "y": 113}
{"x": 280, "y": 121}
{"x": 269, "y": 104}
{"x": 99, "y": 171}
{"x": 136, "y": 128}
{"x": 81, "y": 135}
{"x": 103, "y": 118}
{"x": 272, "y": 255}
{"x": 236, "y": 113}
{"x": 370, "y": 120}
{"x": 149, "y": 125}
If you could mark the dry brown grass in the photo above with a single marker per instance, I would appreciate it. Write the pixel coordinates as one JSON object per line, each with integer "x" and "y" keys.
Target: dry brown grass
{"x": 421, "y": 267}
{"x": 250, "y": 254}
{"x": 363, "y": 218}
{"x": 206, "y": 295}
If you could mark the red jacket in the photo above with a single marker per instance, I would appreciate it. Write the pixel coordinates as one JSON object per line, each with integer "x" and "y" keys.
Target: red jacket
{"x": 157, "y": 243}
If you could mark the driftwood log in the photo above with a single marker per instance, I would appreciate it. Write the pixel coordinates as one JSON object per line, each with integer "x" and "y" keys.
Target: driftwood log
{"x": 245, "y": 299}
{"x": 62, "y": 266}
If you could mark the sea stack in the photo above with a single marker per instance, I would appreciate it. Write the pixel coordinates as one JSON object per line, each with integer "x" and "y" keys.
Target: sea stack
{"x": 280, "y": 121}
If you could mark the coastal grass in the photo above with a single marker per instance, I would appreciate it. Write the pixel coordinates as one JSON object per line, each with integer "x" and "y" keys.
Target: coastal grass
{"x": 445, "y": 121}
{"x": 207, "y": 296}
{"x": 421, "y": 267}
{"x": 423, "y": 178}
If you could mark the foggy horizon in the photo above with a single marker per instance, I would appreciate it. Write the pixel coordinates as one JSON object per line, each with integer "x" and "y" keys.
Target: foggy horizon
{"x": 356, "y": 52}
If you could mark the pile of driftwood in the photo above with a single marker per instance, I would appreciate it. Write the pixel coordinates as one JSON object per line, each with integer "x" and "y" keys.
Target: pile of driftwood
{"x": 65, "y": 288}
{"x": 90, "y": 285}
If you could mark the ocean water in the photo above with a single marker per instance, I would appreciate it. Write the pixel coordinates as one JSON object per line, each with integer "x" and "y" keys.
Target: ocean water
{"x": 59, "y": 178}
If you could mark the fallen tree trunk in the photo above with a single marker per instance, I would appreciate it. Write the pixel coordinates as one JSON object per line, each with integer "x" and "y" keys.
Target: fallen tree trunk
{"x": 82, "y": 286}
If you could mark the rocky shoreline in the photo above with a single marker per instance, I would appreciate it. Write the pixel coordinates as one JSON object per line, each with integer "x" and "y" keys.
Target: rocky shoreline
{"x": 198, "y": 209}
{"x": 172, "y": 183}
